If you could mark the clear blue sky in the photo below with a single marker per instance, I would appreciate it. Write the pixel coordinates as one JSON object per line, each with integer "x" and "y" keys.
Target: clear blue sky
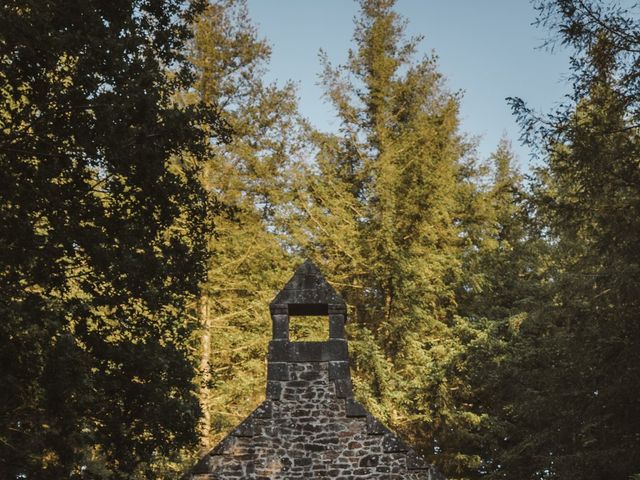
{"x": 486, "y": 48}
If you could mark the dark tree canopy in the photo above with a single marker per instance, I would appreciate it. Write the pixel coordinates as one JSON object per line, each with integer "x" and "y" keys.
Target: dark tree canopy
{"x": 577, "y": 359}
{"x": 103, "y": 233}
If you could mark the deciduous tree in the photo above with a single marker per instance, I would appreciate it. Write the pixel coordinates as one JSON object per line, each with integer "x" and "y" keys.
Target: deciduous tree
{"x": 104, "y": 226}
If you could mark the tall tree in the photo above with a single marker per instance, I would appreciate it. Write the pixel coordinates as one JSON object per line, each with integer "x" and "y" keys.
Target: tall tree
{"x": 103, "y": 233}
{"x": 248, "y": 262}
{"x": 575, "y": 414}
{"x": 501, "y": 266}
{"x": 505, "y": 268}
{"x": 381, "y": 211}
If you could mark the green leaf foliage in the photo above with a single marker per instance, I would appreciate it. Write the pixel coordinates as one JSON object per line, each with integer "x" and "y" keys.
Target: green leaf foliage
{"x": 103, "y": 233}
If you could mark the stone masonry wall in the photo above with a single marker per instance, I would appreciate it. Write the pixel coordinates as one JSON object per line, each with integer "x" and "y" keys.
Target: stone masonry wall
{"x": 309, "y": 427}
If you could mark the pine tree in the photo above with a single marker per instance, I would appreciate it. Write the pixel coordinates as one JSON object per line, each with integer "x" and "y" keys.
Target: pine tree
{"x": 380, "y": 211}
{"x": 505, "y": 271}
{"x": 248, "y": 261}
{"x": 577, "y": 360}
{"x": 501, "y": 263}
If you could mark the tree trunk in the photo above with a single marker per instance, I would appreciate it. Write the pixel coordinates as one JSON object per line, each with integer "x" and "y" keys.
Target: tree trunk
{"x": 205, "y": 368}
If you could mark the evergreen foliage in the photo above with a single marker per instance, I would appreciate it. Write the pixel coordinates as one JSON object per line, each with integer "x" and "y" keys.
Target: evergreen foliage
{"x": 574, "y": 413}
{"x": 383, "y": 210}
{"x": 248, "y": 262}
{"x": 505, "y": 278}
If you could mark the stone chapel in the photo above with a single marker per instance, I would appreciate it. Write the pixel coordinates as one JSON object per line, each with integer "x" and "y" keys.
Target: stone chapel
{"x": 310, "y": 426}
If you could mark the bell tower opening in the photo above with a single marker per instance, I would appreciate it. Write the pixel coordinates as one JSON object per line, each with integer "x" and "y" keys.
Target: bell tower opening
{"x": 307, "y": 310}
{"x": 308, "y": 328}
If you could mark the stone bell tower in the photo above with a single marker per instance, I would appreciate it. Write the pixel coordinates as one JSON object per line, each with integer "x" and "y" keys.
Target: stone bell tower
{"x": 310, "y": 426}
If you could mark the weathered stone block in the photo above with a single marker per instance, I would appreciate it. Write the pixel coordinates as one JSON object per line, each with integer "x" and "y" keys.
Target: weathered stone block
{"x": 343, "y": 388}
{"x": 282, "y": 351}
{"x": 264, "y": 410}
{"x": 274, "y": 390}
{"x": 246, "y": 429}
{"x": 339, "y": 370}
{"x": 280, "y": 325}
{"x": 278, "y": 371}
{"x": 374, "y": 426}
{"x": 336, "y": 325}
{"x": 355, "y": 409}
{"x": 392, "y": 444}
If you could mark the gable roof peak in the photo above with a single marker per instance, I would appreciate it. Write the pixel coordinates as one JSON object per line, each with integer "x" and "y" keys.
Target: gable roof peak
{"x": 308, "y": 287}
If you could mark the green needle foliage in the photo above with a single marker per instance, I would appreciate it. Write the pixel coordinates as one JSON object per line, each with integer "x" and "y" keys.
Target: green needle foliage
{"x": 104, "y": 227}
{"x": 574, "y": 413}
{"x": 383, "y": 210}
{"x": 505, "y": 276}
{"x": 248, "y": 262}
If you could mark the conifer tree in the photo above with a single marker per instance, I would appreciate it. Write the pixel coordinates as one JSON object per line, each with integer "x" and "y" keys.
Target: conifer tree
{"x": 505, "y": 272}
{"x": 381, "y": 213}
{"x": 577, "y": 358}
{"x": 248, "y": 263}
{"x": 504, "y": 244}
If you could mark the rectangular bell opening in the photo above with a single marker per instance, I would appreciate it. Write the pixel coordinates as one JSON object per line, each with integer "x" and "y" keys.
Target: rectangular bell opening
{"x": 304, "y": 309}
{"x": 308, "y": 328}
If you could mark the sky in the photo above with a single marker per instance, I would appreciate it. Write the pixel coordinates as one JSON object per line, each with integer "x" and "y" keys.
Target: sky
{"x": 488, "y": 49}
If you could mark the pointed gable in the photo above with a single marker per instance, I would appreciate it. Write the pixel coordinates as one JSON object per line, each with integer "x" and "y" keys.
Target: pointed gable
{"x": 307, "y": 292}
